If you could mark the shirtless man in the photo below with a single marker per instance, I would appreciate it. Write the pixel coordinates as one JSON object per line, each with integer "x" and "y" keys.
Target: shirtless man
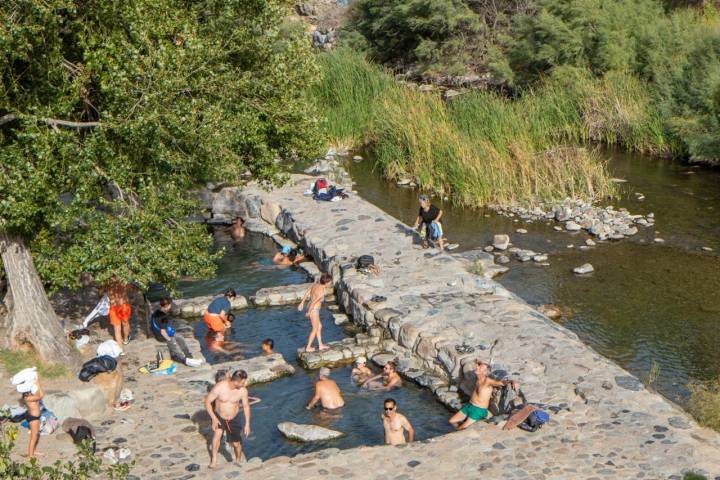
{"x": 361, "y": 372}
{"x": 316, "y": 293}
{"x": 327, "y": 392}
{"x": 283, "y": 257}
{"x": 387, "y": 380}
{"x": 120, "y": 309}
{"x": 395, "y": 425}
{"x": 228, "y": 394}
{"x": 477, "y": 408}
{"x": 32, "y": 403}
{"x": 237, "y": 230}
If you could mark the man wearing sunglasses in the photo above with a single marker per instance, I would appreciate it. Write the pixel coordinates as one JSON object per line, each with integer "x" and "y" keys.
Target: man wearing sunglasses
{"x": 396, "y": 425}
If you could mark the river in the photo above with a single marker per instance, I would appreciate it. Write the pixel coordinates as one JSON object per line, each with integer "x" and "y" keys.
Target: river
{"x": 648, "y": 306}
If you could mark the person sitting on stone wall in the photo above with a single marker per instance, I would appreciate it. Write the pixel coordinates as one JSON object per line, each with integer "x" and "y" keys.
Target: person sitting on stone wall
{"x": 387, "y": 380}
{"x": 164, "y": 331}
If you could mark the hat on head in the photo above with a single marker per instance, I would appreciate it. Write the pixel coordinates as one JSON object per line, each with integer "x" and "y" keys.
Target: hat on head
{"x": 324, "y": 372}
{"x": 286, "y": 249}
{"x": 361, "y": 360}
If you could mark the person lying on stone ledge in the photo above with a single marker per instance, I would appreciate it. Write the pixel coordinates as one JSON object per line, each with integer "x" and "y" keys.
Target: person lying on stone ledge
{"x": 477, "y": 408}
{"x": 387, "y": 380}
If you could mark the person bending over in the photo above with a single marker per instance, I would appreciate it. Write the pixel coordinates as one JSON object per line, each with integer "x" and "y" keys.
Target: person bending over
{"x": 477, "y": 408}
{"x": 217, "y": 314}
{"x": 428, "y": 214}
{"x": 164, "y": 331}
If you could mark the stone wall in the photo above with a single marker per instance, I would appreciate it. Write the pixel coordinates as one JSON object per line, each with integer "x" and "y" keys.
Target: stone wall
{"x": 433, "y": 304}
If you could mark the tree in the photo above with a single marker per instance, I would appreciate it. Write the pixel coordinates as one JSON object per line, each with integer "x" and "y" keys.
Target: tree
{"x": 110, "y": 113}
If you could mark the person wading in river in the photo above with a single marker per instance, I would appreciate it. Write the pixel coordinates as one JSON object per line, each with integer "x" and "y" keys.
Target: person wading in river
{"x": 427, "y": 215}
{"x": 228, "y": 395}
{"x": 477, "y": 408}
{"x": 387, "y": 380}
{"x": 327, "y": 392}
{"x": 237, "y": 230}
{"x": 395, "y": 424}
{"x": 316, "y": 294}
{"x": 120, "y": 309}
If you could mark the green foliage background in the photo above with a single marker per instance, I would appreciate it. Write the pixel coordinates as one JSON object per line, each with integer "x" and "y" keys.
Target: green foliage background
{"x": 185, "y": 92}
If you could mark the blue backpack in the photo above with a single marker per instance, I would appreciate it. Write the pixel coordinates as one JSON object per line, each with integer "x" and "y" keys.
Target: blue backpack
{"x": 535, "y": 421}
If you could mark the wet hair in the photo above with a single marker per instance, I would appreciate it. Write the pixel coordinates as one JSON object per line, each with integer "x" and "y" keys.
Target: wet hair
{"x": 231, "y": 317}
{"x": 390, "y": 400}
{"x": 393, "y": 365}
{"x": 239, "y": 375}
{"x": 230, "y": 293}
{"x": 292, "y": 255}
{"x": 164, "y": 302}
{"x": 269, "y": 342}
{"x": 423, "y": 198}
{"x": 220, "y": 375}
{"x": 325, "y": 278}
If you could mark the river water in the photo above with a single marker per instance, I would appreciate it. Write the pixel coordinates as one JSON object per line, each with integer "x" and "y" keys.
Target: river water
{"x": 646, "y": 303}
{"x": 247, "y": 267}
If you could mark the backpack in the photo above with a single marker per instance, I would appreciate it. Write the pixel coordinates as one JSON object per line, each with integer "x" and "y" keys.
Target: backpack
{"x": 535, "y": 421}
{"x": 81, "y": 434}
{"x": 364, "y": 261}
{"x": 320, "y": 184}
{"x": 103, "y": 363}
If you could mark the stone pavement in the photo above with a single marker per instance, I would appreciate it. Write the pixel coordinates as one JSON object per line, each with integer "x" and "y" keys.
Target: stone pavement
{"x": 609, "y": 426}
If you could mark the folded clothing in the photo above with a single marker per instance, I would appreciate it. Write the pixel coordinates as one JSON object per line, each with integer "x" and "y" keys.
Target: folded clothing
{"x": 24, "y": 376}
{"x": 109, "y": 348}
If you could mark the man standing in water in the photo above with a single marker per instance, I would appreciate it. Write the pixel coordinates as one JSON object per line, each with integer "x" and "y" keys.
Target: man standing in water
{"x": 327, "y": 392}
{"x": 228, "y": 395}
{"x": 477, "y": 408}
{"x": 395, "y": 425}
{"x": 316, "y": 293}
{"x": 120, "y": 309}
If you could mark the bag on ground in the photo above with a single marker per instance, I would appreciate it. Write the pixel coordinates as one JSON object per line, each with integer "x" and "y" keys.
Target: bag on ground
{"x": 101, "y": 364}
{"x": 535, "y": 421}
{"x": 364, "y": 261}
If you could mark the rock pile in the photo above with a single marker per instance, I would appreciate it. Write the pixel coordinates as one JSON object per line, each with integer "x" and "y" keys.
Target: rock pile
{"x": 331, "y": 167}
{"x": 605, "y": 223}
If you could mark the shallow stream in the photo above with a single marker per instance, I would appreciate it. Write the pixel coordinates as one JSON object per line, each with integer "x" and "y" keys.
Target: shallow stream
{"x": 246, "y": 267}
{"x": 646, "y": 303}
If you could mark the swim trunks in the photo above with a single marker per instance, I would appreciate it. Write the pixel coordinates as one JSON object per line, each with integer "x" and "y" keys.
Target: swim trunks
{"x": 120, "y": 314}
{"x": 233, "y": 427}
{"x": 214, "y": 322}
{"x": 474, "y": 412}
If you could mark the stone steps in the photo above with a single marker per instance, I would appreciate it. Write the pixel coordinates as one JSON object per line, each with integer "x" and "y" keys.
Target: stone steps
{"x": 260, "y": 369}
{"x": 340, "y": 353}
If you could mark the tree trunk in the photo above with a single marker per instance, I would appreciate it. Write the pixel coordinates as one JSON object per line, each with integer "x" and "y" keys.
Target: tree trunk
{"x": 30, "y": 320}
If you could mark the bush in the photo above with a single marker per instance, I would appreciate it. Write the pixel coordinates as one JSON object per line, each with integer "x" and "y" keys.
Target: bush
{"x": 704, "y": 403}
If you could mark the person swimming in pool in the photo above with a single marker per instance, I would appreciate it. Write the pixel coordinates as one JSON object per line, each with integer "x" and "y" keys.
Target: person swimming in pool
{"x": 477, "y": 408}
{"x": 267, "y": 346}
{"x": 284, "y": 257}
{"x": 316, "y": 294}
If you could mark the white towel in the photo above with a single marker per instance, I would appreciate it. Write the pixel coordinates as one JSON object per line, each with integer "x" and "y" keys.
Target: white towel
{"x": 26, "y": 375}
{"x": 101, "y": 309}
{"x": 110, "y": 348}
{"x": 26, "y": 387}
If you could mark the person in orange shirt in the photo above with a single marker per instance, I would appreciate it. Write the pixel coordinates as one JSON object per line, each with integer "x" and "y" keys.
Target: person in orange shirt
{"x": 120, "y": 309}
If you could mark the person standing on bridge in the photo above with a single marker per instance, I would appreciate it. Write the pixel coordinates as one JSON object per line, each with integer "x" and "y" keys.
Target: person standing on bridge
{"x": 429, "y": 216}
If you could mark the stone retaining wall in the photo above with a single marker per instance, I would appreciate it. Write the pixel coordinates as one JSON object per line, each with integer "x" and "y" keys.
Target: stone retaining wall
{"x": 434, "y": 304}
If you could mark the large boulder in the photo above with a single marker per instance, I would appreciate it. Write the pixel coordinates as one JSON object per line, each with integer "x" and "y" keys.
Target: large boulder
{"x": 229, "y": 202}
{"x": 501, "y": 242}
{"x": 307, "y": 433}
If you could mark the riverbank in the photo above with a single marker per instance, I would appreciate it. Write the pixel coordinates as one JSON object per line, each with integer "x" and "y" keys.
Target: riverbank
{"x": 612, "y": 425}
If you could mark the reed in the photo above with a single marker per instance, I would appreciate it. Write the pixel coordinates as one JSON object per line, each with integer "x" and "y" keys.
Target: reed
{"x": 483, "y": 148}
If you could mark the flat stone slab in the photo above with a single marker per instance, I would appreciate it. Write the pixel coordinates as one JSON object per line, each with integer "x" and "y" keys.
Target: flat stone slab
{"x": 261, "y": 369}
{"x": 342, "y": 352}
{"x": 196, "y": 306}
{"x": 283, "y": 295}
{"x": 307, "y": 433}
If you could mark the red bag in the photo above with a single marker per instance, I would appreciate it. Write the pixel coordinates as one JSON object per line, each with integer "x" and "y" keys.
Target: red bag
{"x": 320, "y": 183}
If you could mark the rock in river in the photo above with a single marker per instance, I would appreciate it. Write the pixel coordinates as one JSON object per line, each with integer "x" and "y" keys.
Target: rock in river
{"x": 584, "y": 268}
{"x": 501, "y": 242}
{"x": 307, "y": 433}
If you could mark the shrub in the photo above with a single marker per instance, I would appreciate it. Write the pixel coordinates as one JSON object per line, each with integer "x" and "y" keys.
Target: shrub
{"x": 704, "y": 403}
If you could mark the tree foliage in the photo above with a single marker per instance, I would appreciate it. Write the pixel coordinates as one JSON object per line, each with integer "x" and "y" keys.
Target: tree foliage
{"x": 167, "y": 94}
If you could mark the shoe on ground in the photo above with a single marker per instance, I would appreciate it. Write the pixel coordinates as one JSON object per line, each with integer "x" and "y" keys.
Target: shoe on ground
{"x": 193, "y": 362}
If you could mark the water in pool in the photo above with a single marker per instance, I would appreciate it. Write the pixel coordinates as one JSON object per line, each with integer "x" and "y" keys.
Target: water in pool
{"x": 285, "y": 399}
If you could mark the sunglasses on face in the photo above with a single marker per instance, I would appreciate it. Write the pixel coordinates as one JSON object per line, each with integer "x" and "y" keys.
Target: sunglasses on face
{"x": 389, "y": 409}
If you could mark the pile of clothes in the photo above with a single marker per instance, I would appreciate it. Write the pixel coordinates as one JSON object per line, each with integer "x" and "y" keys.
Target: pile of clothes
{"x": 322, "y": 190}
{"x": 105, "y": 361}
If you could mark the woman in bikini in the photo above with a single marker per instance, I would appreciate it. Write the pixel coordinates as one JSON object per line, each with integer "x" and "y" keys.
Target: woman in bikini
{"x": 32, "y": 403}
{"x": 316, "y": 293}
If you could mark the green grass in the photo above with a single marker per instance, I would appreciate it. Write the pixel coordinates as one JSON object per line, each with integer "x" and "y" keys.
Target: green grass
{"x": 704, "y": 403}
{"x": 483, "y": 148}
{"x": 14, "y": 361}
